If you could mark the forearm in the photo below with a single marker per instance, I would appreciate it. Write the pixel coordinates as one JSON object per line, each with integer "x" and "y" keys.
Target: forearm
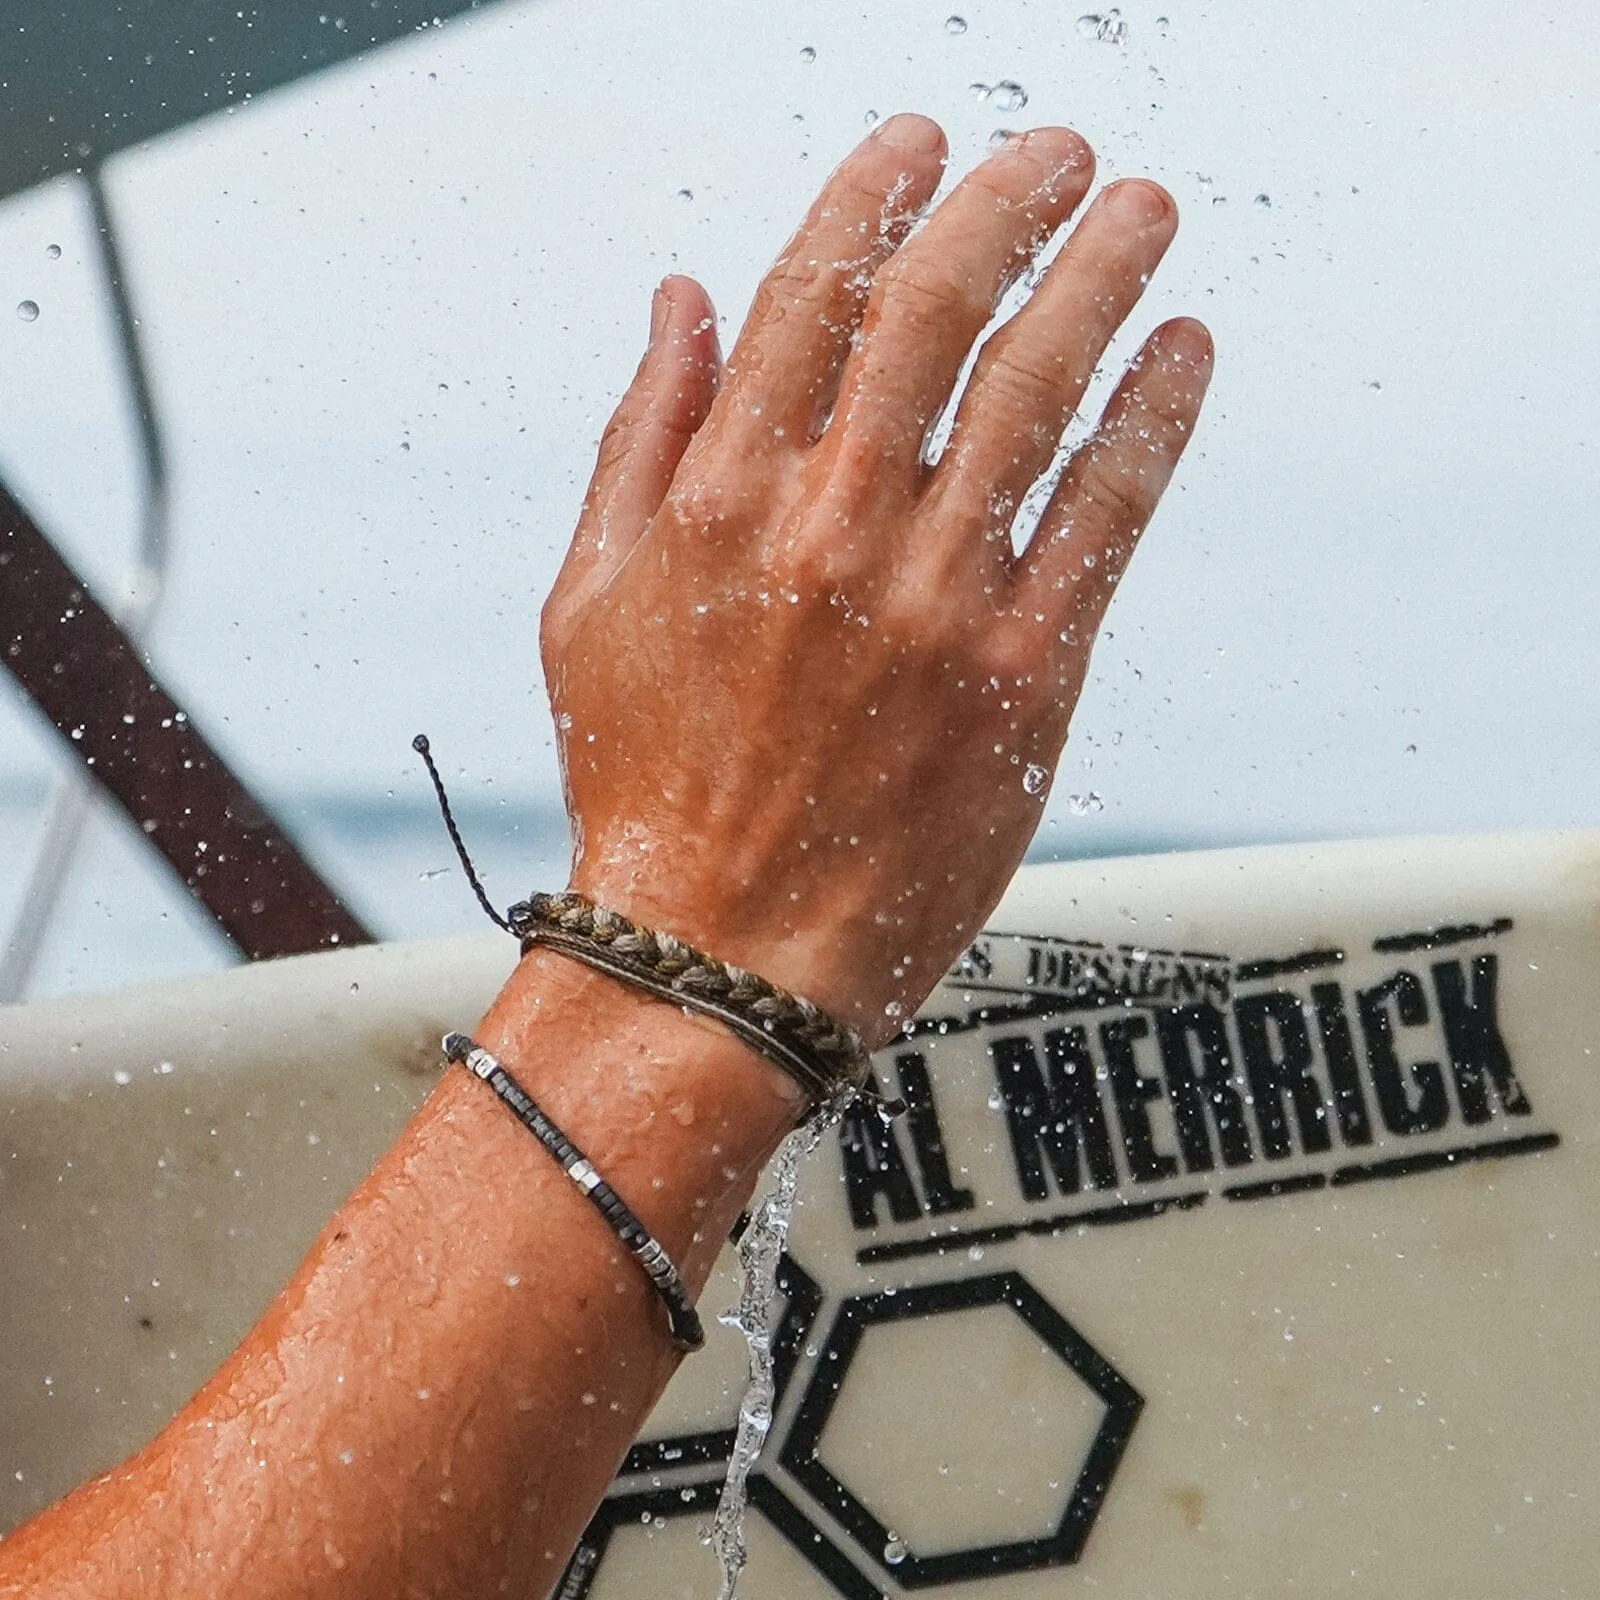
{"x": 439, "y": 1396}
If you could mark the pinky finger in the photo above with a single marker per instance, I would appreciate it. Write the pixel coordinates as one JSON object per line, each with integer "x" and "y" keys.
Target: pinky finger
{"x": 1112, "y": 486}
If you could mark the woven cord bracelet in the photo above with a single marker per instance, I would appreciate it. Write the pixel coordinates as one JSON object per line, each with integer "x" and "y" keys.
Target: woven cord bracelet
{"x": 682, "y": 1318}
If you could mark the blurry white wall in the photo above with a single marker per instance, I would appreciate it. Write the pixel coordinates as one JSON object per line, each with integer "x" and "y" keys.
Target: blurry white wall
{"x": 388, "y": 310}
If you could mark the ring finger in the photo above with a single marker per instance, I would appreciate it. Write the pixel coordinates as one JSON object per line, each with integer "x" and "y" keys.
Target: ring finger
{"x": 1032, "y": 373}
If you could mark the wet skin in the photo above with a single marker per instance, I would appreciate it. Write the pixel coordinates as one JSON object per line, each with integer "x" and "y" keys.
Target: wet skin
{"x": 800, "y": 678}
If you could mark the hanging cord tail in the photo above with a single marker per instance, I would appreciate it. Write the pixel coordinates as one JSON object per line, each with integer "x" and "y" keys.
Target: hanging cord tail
{"x": 420, "y": 745}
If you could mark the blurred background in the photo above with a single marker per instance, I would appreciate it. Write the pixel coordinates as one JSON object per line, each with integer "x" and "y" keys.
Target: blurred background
{"x": 387, "y": 272}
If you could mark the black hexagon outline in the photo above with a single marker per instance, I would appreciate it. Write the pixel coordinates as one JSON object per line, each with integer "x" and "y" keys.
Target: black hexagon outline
{"x": 818, "y": 1550}
{"x": 803, "y": 1300}
{"x": 1011, "y": 1289}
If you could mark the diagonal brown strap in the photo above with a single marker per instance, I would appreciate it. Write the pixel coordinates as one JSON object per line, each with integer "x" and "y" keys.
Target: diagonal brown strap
{"x": 81, "y": 670}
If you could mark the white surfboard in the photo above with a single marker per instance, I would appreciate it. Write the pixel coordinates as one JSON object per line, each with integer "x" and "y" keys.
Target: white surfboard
{"x": 1241, "y": 1239}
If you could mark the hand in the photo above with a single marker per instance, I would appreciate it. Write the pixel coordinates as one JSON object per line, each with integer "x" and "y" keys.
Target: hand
{"x": 808, "y": 697}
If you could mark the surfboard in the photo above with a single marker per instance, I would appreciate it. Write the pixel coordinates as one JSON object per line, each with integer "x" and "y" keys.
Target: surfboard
{"x": 1239, "y": 1239}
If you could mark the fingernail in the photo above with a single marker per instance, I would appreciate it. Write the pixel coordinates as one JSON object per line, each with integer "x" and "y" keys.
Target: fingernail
{"x": 1189, "y": 341}
{"x": 907, "y": 131}
{"x": 1142, "y": 204}
{"x": 660, "y": 310}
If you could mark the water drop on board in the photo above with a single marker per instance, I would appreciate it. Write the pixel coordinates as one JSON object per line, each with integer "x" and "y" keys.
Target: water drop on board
{"x": 53, "y": 251}
{"x": 895, "y": 1551}
{"x": 1008, "y": 96}
{"x": 1082, "y": 804}
{"x": 1034, "y": 778}
{"x": 808, "y": 53}
{"x": 28, "y": 310}
{"x": 955, "y": 24}
{"x": 1264, "y": 201}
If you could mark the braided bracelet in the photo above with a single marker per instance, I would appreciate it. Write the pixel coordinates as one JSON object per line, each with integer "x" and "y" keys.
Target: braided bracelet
{"x": 825, "y": 1056}
{"x": 684, "y": 1320}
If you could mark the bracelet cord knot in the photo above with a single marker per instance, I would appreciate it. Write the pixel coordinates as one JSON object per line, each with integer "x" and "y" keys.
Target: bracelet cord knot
{"x": 823, "y": 1054}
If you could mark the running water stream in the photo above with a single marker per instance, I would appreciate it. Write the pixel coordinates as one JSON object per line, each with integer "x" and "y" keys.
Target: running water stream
{"x": 760, "y": 1246}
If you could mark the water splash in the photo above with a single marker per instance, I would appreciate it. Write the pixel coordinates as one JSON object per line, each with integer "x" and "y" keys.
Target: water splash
{"x": 760, "y": 1246}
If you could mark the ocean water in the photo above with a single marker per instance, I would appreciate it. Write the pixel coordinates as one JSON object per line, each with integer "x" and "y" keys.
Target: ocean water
{"x": 124, "y": 918}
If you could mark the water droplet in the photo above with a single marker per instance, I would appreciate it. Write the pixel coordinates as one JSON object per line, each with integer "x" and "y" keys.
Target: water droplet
{"x": 686, "y": 194}
{"x": 955, "y": 24}
{"x": 1081, "y": 805}
{"x": 122, "y": 1077}
{"x": 893, "y": 1009}
{"x": 1108, "y": 27}
{"x": 512, "y": 1280}
{"x": 808, "y": 54}
{"x": 871, "y": 119}
{"x": 1264, "y": 201}
{"x": 999, "y": 137}
{"x": 53, "y": 252}
{"x": 1007, "y": 96}
{"x": 1374, "y": 384}
{"x": 1035, "y": 777}
{"x": 28, "y": 310}
{"x": 995, "y": 1103}
{"x": 895, "y": 1551}
{"x": 975, "y": 1252}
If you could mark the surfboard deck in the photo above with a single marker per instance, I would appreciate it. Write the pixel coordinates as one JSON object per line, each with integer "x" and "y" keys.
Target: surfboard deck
{"x": 1240, "y": 1240}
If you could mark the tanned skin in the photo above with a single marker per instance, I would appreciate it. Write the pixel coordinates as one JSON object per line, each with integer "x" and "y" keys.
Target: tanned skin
{"x": 799, "y": 676}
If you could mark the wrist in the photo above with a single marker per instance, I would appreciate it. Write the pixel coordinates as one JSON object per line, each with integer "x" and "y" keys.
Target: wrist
{"x": 675, "y": 1112}
{"x": 806, "y": 956}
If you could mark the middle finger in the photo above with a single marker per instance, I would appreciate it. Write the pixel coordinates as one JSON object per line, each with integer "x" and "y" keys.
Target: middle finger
{"x": 933, "y": 298}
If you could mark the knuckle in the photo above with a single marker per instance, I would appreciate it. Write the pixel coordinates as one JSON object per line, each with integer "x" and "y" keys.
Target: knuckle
{"x": 1115, "y": 500}
{"x": 922, "y": 289}
{"x": 622, "y": 431}
{"x": 1022, "y": 377}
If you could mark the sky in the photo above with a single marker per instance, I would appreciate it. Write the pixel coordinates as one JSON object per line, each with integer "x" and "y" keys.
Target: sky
{"x": 388, "y": 309}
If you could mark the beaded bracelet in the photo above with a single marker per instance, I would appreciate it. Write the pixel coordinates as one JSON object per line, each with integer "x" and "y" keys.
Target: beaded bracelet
{"x": 683, "y": 1319}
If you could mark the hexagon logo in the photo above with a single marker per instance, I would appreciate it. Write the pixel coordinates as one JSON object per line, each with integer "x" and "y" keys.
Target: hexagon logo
{"x": 623, "y": 1533}
{"x": 1084, "y": 1420}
